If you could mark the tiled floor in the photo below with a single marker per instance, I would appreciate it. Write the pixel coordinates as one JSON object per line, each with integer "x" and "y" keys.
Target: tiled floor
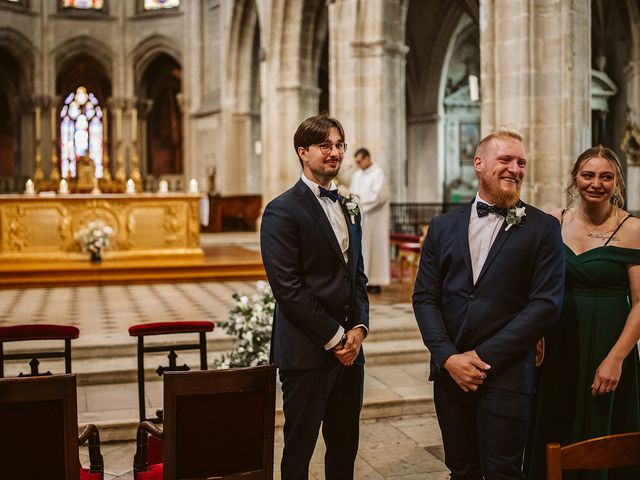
{"x": 404, "y": 448}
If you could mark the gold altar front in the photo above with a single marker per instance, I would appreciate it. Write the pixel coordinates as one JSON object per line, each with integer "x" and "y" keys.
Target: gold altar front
{"x": 43, "y": 228}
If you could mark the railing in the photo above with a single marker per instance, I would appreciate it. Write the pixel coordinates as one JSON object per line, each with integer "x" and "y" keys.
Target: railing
{"x": 411, "y": 217}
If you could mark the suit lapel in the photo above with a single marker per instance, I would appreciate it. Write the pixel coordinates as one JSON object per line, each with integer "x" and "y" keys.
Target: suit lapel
{"x": 497, "y": 245}
{"x": 312, "y": 206}
{"x": 354, "y": 253}
{"x": 463, "y": 238}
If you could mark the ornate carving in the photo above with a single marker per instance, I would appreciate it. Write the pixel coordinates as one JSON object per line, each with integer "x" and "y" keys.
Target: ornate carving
{"x": 630, "y": 144}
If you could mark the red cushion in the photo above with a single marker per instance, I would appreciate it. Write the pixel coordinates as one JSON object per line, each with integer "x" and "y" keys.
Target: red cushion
{"x": 161, "y": 328}
{"x": 85, "y": 474}
{"x": 154, "y": 450}
{"x": 38, "y": 332}
{"x": 154, "y": 473}
{"x": 410, "y": 247}
{"x": 404, "y": 237}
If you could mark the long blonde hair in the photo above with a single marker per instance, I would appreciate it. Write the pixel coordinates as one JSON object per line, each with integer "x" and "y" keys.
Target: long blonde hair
{"x": 617, "y": 198}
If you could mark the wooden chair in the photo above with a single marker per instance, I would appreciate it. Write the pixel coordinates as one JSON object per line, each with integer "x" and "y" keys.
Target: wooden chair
{"x": 20, "y": 333}
{"x": 611, "y": 451}
{"x": 167, "y": 328}
{"x": 217, "y": 423}
{"x": 39, "y": 431}
{"x": 409, "y": 254}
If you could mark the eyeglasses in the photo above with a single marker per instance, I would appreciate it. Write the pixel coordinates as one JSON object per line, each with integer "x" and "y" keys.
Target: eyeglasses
{"x": 326, "y": 147}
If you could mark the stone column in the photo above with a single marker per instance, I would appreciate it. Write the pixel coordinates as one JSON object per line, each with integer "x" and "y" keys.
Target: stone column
{"x": 367, "y": 73}
{"x": 535, "y": 77}
{"x": 632, "y": 73}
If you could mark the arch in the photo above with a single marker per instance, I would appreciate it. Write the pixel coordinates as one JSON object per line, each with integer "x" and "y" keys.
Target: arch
{"x": 245, "y": 27}
{"x": 21, "y": 48}
{"x": 83, "y": 45}
{"x": 146, "y": 52}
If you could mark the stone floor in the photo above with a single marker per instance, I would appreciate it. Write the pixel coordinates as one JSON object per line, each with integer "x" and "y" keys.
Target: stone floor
{"x": 404, "y": 448}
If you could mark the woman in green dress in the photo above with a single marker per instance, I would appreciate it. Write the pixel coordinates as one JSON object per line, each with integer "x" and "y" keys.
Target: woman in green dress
{"x": 590, "y": 378}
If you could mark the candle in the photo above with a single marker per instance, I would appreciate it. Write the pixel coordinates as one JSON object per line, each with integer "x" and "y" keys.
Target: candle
{"x": 28, "y": 187}
{"x": 118, "y": 124}
{"x": 134, "y": 125}
{"x": 105, "y": 129}
{"x": 193, "y": 186}
{"x": 474, "y": 88}
{"x": 53, "y": 123}
{"x": 64, "y": 186}
{"x": 163, "y": 186}
{"x": 131, "y": 186}
{"x": 37, "y": 114}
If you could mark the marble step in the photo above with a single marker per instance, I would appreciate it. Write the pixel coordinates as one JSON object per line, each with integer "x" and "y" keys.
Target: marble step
{"x": 121, "y": 367}
{"x": 390, "y": 391}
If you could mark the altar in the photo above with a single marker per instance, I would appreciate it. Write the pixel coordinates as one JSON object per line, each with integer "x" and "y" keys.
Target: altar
{"x": 43, "y": 228}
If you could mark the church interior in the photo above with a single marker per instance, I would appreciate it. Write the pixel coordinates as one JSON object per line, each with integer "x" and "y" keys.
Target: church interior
{"x": 140, "y": 141}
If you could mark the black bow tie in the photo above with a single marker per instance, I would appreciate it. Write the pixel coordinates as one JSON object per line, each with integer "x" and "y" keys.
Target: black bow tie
{"x": 484, "y": 209}
{"x": 331, "y": 194}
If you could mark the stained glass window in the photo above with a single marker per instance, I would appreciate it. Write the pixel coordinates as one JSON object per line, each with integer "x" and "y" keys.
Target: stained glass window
{"x": 83, "y": 4}
{"x": 80, "y": 132}
{"x": 159, "y": 4}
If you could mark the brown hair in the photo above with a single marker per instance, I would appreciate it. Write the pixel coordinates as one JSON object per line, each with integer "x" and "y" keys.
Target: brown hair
{"x": 500, "y": 134}
{"x": 617, "y": 198}
{"x": 315, "y": 130}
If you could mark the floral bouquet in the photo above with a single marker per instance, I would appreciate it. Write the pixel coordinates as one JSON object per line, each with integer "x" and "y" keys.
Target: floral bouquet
{"x": 94, "y": 237}
{"x": 250, "y": 320}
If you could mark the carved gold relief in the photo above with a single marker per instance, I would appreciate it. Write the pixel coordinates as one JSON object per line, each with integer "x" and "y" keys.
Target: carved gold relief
{"x": 36, "y": 227}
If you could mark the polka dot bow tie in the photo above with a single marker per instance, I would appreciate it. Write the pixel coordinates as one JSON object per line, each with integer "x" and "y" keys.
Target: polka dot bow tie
{"x": 484, "y": 209}
{"x": 331, "y": 194}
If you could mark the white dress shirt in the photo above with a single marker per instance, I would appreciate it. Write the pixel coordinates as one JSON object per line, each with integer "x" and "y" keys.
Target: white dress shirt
{"x": 482, "y": 233}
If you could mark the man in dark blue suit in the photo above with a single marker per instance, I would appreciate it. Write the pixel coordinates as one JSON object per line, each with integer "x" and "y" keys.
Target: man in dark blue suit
{"x": 311, "y": 249}
{"x": 490, "y": 284}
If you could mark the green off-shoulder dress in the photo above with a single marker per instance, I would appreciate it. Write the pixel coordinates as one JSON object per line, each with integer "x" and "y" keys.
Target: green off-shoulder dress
{"x": 595, "y": 309}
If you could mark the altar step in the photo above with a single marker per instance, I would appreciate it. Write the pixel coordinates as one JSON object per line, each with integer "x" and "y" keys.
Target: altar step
{"x": 220, "y": 262}
{"x": 390, "y": 391}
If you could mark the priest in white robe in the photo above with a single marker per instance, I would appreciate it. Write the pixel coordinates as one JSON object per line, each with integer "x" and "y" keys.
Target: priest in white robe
{"x": 369, "y": 183}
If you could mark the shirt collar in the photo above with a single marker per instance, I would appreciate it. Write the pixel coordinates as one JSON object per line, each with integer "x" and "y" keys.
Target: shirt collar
{"x": 480, "y": 199}
{"x": 315, "y": 188}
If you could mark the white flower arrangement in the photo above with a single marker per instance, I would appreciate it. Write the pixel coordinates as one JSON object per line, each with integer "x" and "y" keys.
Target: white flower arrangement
{"x": 94, "y": 237}
{"x": 352, "y": 205}
{"x": 250, "y": 320}
{"x": 514, "y": 217}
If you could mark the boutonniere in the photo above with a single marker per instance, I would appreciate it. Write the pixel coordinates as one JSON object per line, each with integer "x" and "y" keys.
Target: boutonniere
{"x": 514, "y": 217}
{"x": 351, "y": 204}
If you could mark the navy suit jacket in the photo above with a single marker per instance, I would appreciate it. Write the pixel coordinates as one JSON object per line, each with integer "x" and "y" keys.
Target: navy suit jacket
{"x": 516, "y": 298}
{"x": 316, "y": 291}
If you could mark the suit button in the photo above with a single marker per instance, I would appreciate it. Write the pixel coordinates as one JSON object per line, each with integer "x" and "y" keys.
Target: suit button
{"x": 472, "y": 297}
{"x": 347, "y": 308}
{"x": 346, "y": 279}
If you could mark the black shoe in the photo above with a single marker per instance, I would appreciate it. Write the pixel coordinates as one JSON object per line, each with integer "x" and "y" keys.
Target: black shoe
{"x": 374, "y": 289}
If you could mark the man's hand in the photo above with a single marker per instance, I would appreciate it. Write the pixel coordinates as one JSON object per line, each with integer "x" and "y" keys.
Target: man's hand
{"x": 467, "y": 369}
{"x": 349, "y": 352}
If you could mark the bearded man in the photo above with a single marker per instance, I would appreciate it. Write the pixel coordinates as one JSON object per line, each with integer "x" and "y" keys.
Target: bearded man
{"x": 490, "y": 283}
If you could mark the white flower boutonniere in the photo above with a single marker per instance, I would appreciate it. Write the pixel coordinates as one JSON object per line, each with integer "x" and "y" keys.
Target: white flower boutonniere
{"x": 351, "y": 203}
{"x": 514, "y": 217}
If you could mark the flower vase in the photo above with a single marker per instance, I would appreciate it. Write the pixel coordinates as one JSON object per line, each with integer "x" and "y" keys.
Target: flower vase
{"x": 96, "y": 256}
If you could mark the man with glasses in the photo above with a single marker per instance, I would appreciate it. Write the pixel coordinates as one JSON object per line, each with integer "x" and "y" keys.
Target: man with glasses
{"x": 311, "y": 249}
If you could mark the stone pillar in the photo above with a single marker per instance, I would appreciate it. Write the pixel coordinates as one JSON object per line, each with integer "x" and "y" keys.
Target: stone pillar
{"x": 367, "y": 75}
{"x": 632, "y": 73}
{"x": 535, "y": 77}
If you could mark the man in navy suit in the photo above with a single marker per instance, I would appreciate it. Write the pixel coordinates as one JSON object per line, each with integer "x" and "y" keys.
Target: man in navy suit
{"x": 490, "y": 284}
{"x": 311, "y": 249}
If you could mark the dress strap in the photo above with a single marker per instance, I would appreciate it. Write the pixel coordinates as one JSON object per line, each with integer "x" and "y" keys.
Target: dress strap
{"x": 616, "y": 230}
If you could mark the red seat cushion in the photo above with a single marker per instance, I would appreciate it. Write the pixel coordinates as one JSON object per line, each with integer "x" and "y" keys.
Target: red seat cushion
{"x": 410, "y": 247}
{"x": 404, "y": 237}
{"x": 38, "y": 332}
{"x": 154, "y": 473}
{"x": 85, "y": 474}
{"x": 154, "y": 450}
{"x": 162, "y": 328}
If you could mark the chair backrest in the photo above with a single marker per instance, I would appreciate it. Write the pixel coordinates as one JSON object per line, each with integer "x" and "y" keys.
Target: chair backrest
{"x": 220, "y": 423}
{"x": 39, "y": 428}
{"x": 611, "y": 451}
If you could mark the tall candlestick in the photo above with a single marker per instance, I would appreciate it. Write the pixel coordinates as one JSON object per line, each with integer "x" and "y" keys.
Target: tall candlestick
{"x": 118, "y": 124}
{"x": 134, "y": 125}
{"x": 105, "y": 129}
{"x": 37, "y": 114}
{"x": 54, "y": 125}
